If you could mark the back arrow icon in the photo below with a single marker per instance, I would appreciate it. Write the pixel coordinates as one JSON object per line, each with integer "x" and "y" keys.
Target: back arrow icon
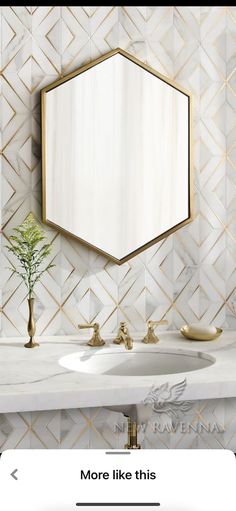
{"x": 13, "y": 474}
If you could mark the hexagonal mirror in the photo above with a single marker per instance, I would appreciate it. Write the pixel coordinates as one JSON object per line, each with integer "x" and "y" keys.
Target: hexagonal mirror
{"x": 116, "y": 155}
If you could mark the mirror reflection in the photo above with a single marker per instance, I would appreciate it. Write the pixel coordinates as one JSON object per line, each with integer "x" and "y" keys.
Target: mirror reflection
{"x": 116, "y": 155}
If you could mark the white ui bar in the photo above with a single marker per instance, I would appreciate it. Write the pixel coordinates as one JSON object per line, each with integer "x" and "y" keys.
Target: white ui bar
{"x": 98, "y": 480}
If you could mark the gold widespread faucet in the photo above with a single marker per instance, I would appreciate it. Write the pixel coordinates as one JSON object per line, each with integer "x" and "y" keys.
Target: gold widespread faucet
{"x": 151, "y": 337}
{"x": 96, "y": 339}
{"x": 123, "y": 336}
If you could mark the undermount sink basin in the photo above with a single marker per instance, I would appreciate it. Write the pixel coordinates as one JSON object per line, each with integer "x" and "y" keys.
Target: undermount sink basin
{"x": 137, "y": 362}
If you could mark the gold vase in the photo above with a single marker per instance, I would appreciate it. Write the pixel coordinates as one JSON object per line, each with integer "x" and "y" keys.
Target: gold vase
{"x": 31, "y": 325}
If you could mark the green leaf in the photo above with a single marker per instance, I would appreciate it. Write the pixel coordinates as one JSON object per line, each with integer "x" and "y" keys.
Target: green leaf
{"x": 24, "y": 245}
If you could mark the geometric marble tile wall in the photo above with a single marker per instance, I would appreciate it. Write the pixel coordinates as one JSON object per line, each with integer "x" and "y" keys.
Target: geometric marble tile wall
{"x": 189, "y": 276}
{"x": 208, "y": 425}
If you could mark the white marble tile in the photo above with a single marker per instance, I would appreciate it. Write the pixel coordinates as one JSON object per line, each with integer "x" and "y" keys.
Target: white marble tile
{"x": 196, "y": 47}
{"x": 191, "y": 44}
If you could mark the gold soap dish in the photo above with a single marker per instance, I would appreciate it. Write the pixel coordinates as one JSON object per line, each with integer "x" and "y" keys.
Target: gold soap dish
{"x": 200, "y": 336}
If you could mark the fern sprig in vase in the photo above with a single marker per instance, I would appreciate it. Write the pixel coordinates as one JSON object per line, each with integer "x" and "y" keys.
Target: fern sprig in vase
{"x": 26, "y": 245}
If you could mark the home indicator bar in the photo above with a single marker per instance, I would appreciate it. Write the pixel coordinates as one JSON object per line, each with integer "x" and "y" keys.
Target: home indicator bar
{"x": 118, "y": 504}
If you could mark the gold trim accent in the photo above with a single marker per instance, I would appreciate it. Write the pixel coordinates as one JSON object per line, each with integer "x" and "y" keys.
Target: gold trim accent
{"x": 170, "y": 82}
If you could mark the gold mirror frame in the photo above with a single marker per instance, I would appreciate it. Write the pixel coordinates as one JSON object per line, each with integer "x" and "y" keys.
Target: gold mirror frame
{"x": 190, "y": 165}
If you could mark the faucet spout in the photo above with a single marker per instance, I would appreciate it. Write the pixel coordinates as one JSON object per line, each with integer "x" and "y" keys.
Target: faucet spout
{"x": 128, "y": 342}
{"x": 123, "y": 336}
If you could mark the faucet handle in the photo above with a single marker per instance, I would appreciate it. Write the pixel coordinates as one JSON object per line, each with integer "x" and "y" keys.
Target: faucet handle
{"x": 151, "y": 337}
{"x": 96, "y": 339}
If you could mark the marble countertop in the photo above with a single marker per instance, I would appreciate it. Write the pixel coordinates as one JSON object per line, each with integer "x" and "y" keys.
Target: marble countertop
{"x": 33, "y": 380}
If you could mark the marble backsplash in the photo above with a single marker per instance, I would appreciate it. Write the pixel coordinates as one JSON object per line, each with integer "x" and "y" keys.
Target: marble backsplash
{"x": 190, "y": 276}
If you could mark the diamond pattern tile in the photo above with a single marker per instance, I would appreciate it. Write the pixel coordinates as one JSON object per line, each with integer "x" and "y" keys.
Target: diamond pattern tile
{"x": 188, "y": 277}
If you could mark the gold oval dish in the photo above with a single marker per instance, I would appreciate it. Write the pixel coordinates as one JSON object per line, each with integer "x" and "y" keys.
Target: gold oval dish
{"x": 201, "y": 336}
